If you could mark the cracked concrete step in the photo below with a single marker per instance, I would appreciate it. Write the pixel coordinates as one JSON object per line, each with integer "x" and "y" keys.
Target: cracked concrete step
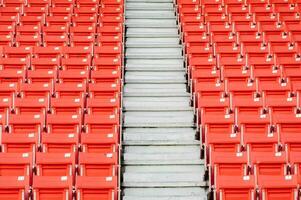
{"x": 162, "y": 155}
{"x": 162, "y": 32}
{"x": 163, "y": 176}
{"x": 155, "y": 90}
{"x": 157, "y": 103}
{"x": 159, "y": 136}
{"x": 155, "y": 77}
{"x": 150, "y": 23}
{"x": 159, "y": 119}
{"x": 180, "y": 193}
{"x": 150, "y": 14}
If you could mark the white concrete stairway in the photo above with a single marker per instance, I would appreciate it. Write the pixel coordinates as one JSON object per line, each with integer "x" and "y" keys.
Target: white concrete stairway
{"x": 161, "y": 157}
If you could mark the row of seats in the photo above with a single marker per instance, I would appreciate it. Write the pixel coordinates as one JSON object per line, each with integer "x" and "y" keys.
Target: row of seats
{"x": 236, "y": 11}
{"x": 60, "y": 97}
{"x": 52, "y": 187}
{"x": 60, "y": 90}
{"x": 60, "y": 52}
{"x": 58, "y": 164}
{"x": 66, "y": 106}
{"x": 104, "y": 142}
{"x": 64, "y": 122}
{"x": 243, "y": 60}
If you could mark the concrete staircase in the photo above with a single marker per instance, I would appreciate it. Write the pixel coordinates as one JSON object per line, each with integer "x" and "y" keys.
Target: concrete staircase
{"x": 161, "y": 157}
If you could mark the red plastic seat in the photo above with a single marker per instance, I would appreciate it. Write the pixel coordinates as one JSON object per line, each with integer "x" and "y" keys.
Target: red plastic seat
{"x": 89, "y": 11}
{"x": 63, "y": 124}
{"x": 52, "y": 187}
{"x": 25, "y": 124}
{"x": 8, "y": 90}
{"x": 16, "y": 164}
{"x": 20, "y": 52}
{"x": 96, "y": 187}
{"x": 70, "y": 90}
{"x": 31, "y": 20}
{"x": 113, "y": 63}
{"x": 278, "y": 187}
{"x": 36, "y": 11}
{"x": 255, "y": 126}
{"x": 76, "y": 63}
{"x": 235, "y": 187}
{"x": 262, "y": 151}
{"x": 13, "y": 187}
{"x": 8, "y": 20}
{"x": 14, "y": 63}
{"x": 288, "y": 126}
{"x": 55, "y": 164}
{"x": 59, "y": 11}
{"x": 101, "y": 90}
{"x": 102, "y": 141}
{"x": 6, "y": 105}
{"x": 36, "y": 90}
{"x": 60, "y": 143}
{"x": 42, "y": 75}
{"x": 20, "y": 143}
{"x": 102, "y": 106}
{"x": 228, "y": 164}
{"x": 45, "y": 64}
{"x": 78, "y": 51}
{"x": 97, "y": 164}
{"x": 219, "y": 126}
{"x": 62, "y": 20}
{"x": 31, "y": 106}
{"x": 11, "y": 11}
{"x": 111, "y": 51}
{"x": 56, "y": 40}
{"x": 47, "y": 52}
{"x": 67, "y": 106}
{"x": 37, "y": 3}
{"x": 13, "y": 76}
{"x": 73, "y": 76}
{"x": 84, "y": 20}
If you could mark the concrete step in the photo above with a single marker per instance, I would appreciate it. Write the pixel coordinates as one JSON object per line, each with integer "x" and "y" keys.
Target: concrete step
{"x": 167, "y": 62}
{"x": 179, "y": 193}
{"x": 163, "y": 32}
{"x": 150, "y": 14}
{"x": 155, "y": 77}
{"x": 163, "y": 176}
{"x": 153, "y": 42}
{"x": 153, "y": 68}
{"x": 159, "y": 119}
{"x": 149, "y": 6}
{"x": 150, "y": 23}
{"x": 155, "y": 65}
{"x": 162, "y": 155}
{"x": 149, "y": 1}
{"x": 153, "y": 90}
{"x": 157, "y": 103}
{"x": 143, "y": 52}
{"x": 159, "y": 136}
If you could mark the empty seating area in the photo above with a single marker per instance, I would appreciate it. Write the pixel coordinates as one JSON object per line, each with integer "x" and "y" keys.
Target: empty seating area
{"x": 243, "y": 60}
{"x": 60, "y": 95}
